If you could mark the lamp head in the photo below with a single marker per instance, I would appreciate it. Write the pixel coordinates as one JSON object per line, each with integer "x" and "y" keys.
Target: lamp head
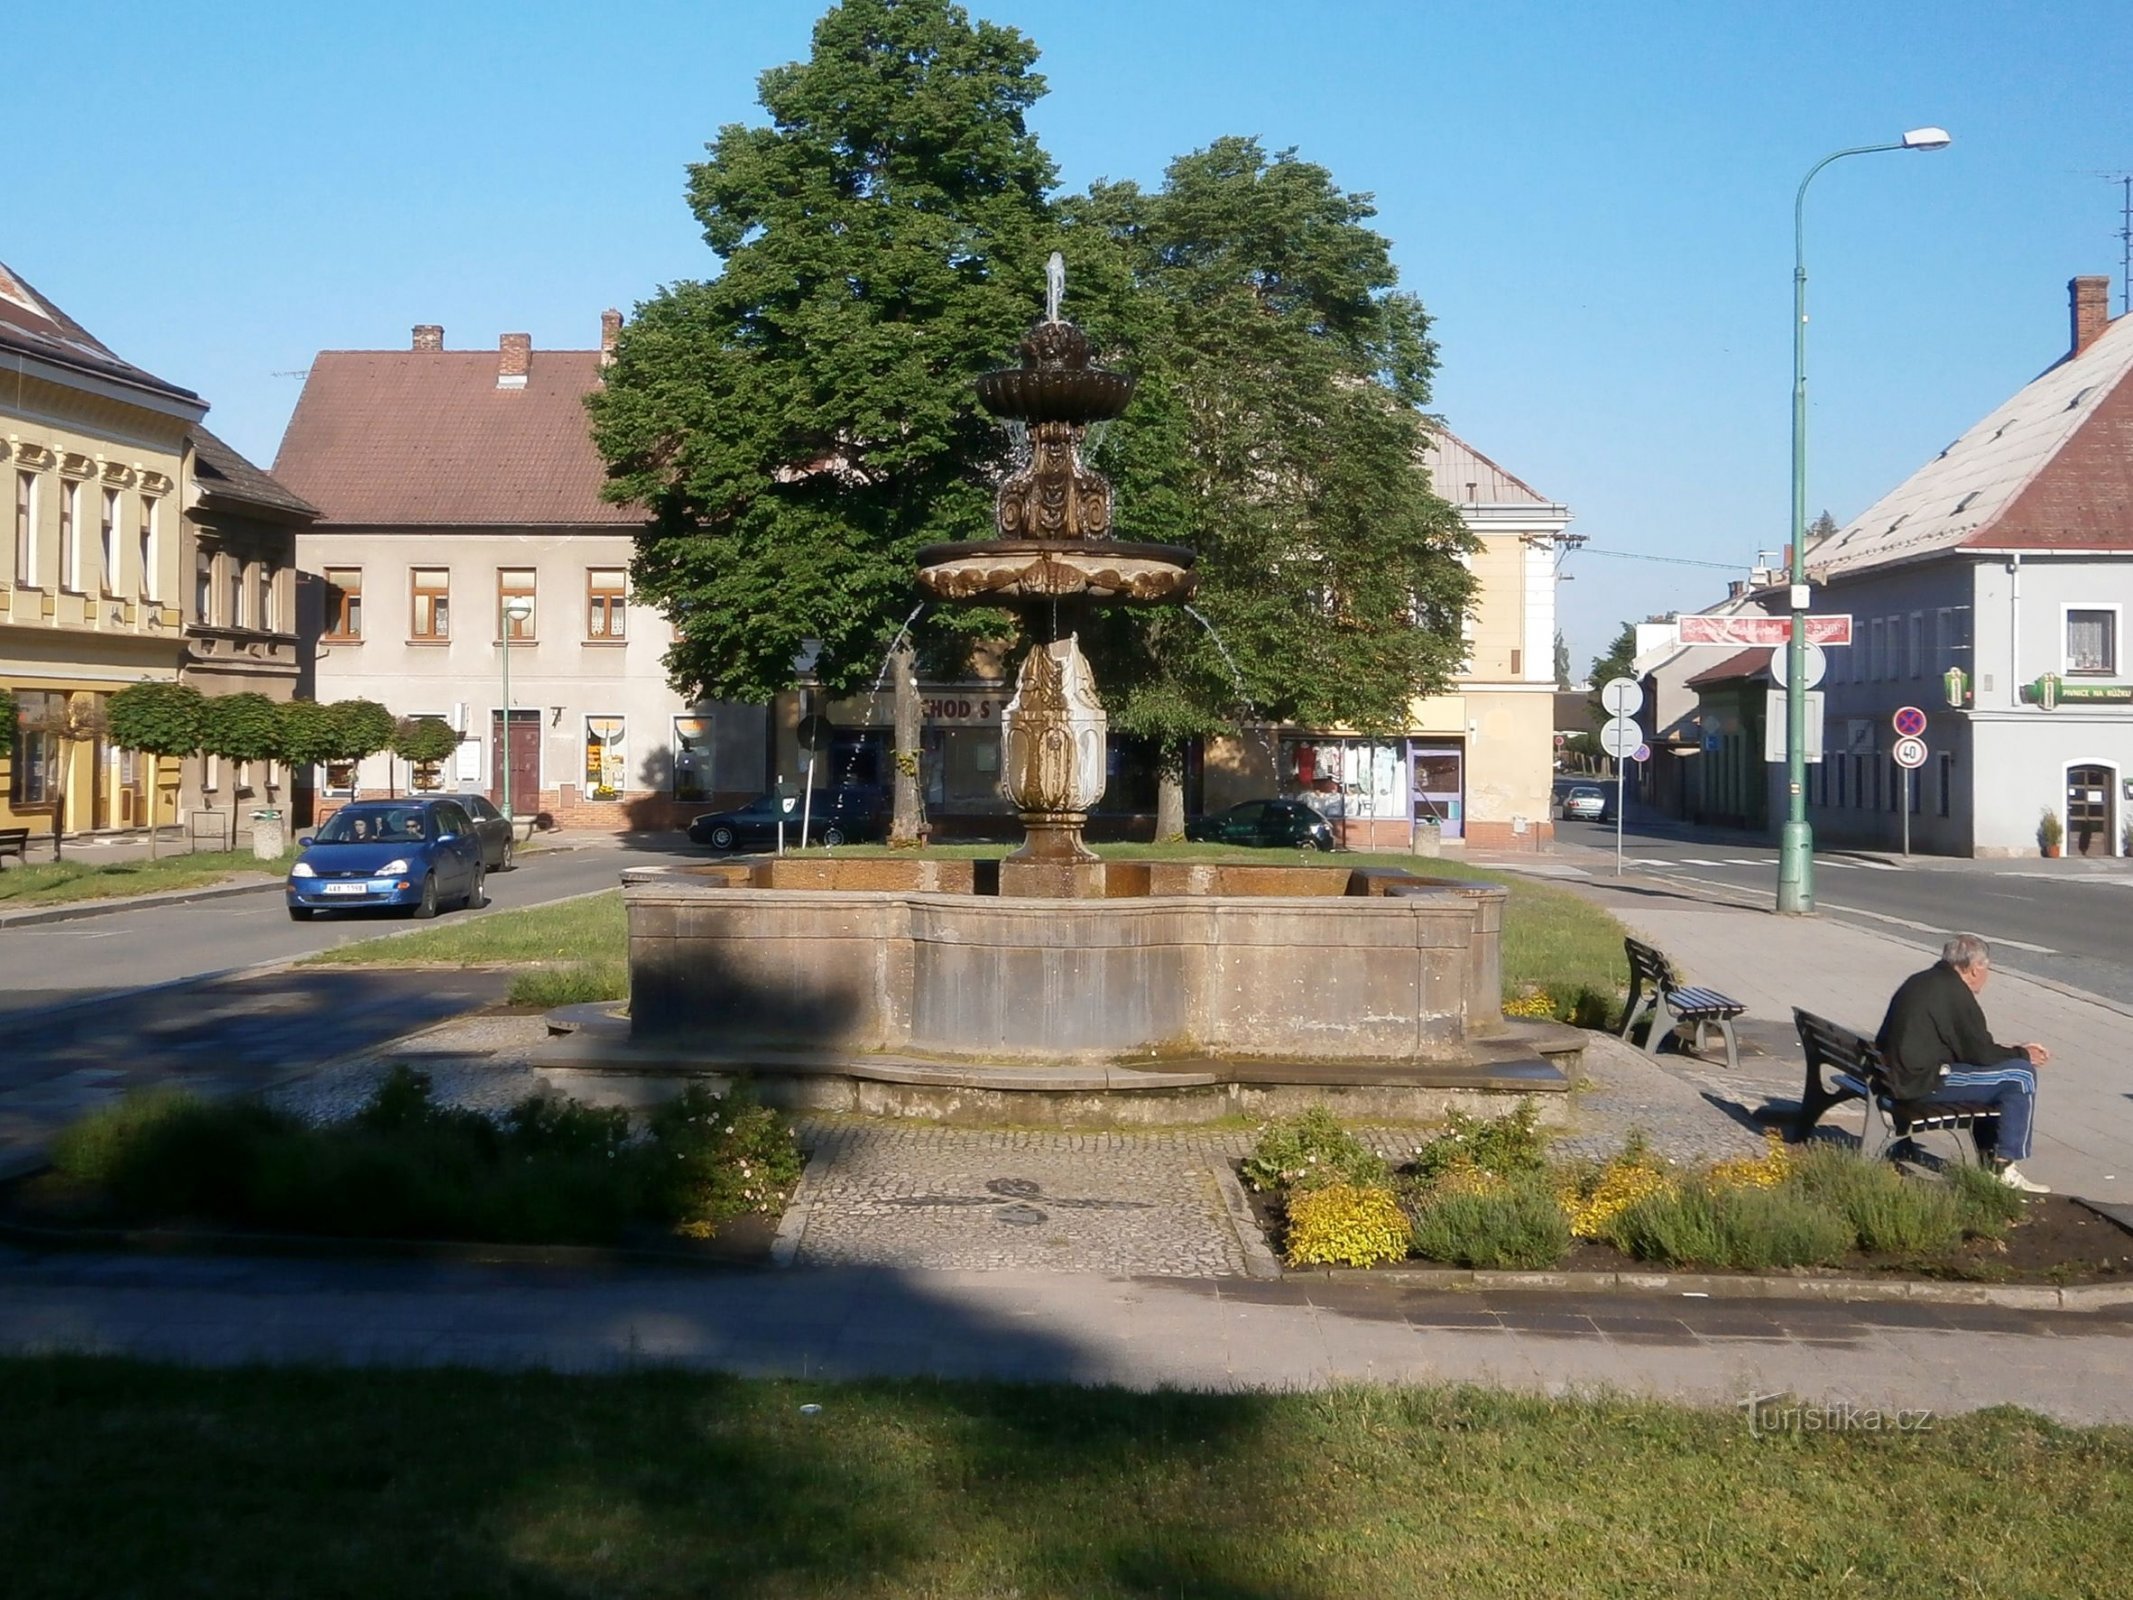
{"x": 1927, "y": 139}
{"x": 518, "y": 608}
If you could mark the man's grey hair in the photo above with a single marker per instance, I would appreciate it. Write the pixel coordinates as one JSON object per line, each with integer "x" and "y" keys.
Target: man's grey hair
{"x": 1966, "y": 950}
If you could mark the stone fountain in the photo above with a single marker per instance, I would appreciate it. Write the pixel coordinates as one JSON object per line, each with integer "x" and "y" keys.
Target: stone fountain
{"x": 1050, "y": 986}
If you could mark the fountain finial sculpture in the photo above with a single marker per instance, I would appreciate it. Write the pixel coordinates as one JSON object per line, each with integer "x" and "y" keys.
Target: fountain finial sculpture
{"x": 1052, "y": 517}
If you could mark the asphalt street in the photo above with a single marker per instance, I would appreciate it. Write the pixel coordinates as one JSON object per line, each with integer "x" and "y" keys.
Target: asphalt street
{"x": 2068, "y": 921}
{"x": 102, "y": 956}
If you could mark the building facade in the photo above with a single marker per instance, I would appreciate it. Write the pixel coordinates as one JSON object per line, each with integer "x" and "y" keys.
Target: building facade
{"x": 461, "y": 539}
{"x": 94, "y": 451}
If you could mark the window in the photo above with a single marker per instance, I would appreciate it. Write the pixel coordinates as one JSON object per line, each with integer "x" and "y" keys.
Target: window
{"x": 233, "y": 586}
{"x": 26, "y": 529}
{"x": 606, "y": 595}
{"x": 432, "y": 604}
{"x": 263, "y": 605}
{"x": 1873, "y": 649}
{"x": 2092, "y": 642}
{"x": 204, "y": 587}
{"x": 150, "y": 515}
{"x": 1916, "y": 646}
{"x": 70, "y": 535}
{"x": 344, "y": 602}
{"x": 692, "y": 758}
{"x": 107, "y": 542}
{"x": 603, "y": 757}
{"x": 1947, "y": 781}
{"x": 515, "y": 584}
{"x": 36, "y": 747}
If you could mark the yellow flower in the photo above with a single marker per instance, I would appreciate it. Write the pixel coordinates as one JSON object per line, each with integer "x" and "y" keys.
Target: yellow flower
{"x": 1346, "y": 1225}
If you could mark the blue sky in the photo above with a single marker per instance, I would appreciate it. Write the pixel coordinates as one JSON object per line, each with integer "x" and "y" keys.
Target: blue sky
{"x": 1595, "y": 202}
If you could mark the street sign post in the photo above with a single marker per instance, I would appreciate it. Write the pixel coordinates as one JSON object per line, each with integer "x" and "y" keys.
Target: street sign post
{"x": 1622, "y": 739}
{"x": 1622, "y": 697}
{"x": 1909, "y": 753}
{"x": 1817, "y": 664}
{"x": 1910, "y": 722}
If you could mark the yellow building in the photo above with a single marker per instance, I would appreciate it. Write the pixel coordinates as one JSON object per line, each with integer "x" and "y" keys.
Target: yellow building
{"x": 1475, "y": 764}
{"x": 94, "y": 451}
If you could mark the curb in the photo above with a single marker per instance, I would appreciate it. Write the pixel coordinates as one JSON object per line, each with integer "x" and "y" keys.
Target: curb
{"x": 75, "y": 909}
{"x": 2083, "y": 1297}
{"x": 1259, "y": 1261}
{"x": 800, "y": 1209}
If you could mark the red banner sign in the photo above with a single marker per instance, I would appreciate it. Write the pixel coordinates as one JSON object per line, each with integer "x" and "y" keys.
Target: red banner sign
{"x": 1742, "y": 632}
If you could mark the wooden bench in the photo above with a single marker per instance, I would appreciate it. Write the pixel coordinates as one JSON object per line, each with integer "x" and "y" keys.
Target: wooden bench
{"x": 1854, "y": 1072}
{"x": 15, "y": 842}
{"x": 1653, "y": 989}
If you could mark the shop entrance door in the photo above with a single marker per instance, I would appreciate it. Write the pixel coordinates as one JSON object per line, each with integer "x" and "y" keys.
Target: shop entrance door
{"x": 1439, "y": 785}
{"x": 525, "y": 757}
{"x": 2091, "y": 811}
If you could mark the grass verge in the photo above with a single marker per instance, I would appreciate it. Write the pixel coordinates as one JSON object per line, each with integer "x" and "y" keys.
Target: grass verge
{"x": 51, "y": 883}
{"x": 126, "y": 1478}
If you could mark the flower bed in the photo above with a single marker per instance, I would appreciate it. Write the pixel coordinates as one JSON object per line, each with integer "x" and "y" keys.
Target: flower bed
{"x": 1486, "y": 1194}
{"x": 552, "y": 1170}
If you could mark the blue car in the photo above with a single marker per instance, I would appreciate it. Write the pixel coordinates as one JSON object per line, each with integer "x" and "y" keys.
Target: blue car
{"x": 415, "y": 855}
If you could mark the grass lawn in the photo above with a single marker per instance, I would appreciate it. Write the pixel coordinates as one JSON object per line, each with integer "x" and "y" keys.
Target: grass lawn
{"x": 122, "y": 1478}
{"x": 1552, "y": 939}
{"x": 56, "y": 882}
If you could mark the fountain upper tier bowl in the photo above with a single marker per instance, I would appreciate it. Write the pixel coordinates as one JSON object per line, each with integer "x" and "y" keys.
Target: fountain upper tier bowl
{"x": 1113, "y": 571}
{"x": 1055, "y": 394}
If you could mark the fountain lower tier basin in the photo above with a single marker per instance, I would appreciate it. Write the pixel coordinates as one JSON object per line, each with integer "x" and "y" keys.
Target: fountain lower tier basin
{"x": 1113, "y": 571}
{"x": 1188, "y": 990}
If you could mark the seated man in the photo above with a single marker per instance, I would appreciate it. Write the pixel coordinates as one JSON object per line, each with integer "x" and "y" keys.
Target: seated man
{"x": 1937, "y": 1050}
{"x": 358, "y": 831}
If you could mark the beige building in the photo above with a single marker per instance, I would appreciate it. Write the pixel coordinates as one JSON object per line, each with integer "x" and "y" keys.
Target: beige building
{"x": 1477, "y": 763}
{"x": 94, "y": 452}
{"x": 461, "y": 537}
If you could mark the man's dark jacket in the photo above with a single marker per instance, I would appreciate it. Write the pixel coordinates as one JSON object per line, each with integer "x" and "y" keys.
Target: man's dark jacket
{"x": 1934, "y": 1022}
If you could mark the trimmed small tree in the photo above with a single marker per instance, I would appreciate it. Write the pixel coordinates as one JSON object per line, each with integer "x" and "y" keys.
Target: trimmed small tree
{"x": 423, "y": 741}
{"x": 241, "y": 728}
{"x": 76, "y": 720}
{"x": 308, "y": 735}
{"x": 157, "y": 720}
{"x": 362, "y": 729}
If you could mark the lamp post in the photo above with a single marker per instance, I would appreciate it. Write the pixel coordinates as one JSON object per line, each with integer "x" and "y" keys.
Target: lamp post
{"x": 516, "y": 609}
{"x": 1795, "y": 890}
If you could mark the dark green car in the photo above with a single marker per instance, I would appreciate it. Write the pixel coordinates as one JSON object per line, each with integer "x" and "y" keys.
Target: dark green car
{"x": 1282, "y": 824}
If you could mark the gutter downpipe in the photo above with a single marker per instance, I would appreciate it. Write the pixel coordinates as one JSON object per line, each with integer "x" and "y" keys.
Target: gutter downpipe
{"x": 2014, "y": 632}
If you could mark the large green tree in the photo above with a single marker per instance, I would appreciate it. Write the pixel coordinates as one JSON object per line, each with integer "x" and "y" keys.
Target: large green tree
{"x": 158, "y": 719}
{"x": 801, "y": 424}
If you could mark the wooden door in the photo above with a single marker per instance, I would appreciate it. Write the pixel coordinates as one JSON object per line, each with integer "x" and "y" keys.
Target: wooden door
{"x": 525, "y": 759}
{"x": 2091, "y": 811}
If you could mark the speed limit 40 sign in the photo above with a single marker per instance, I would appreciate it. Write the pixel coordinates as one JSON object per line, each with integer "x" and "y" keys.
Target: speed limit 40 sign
{"x": 1910, "y": 752}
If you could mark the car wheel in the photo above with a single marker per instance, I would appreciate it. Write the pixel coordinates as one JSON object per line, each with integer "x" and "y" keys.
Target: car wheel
{"x": 722, "y": 838}
{"x": 510, "y": 850}
{"x": 299, "y": 913}
{"x": 474, "y": 900}
{"x": 427, "y": 906}
{"x": 831, "y": 837}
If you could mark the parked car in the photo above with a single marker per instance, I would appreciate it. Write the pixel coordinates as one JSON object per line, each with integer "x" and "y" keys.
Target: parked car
{"x": 1280, "y": 823}
{"x": 415, "y": 854}
{"x": 838, "y": 816}
{"x": 493, "y": 828}
{"x": 1587, "y": 802}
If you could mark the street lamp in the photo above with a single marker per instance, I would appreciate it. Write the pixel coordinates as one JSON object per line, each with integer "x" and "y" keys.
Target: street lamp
{"x": 516, "y": 609}
{"x": 1795, "y": 891}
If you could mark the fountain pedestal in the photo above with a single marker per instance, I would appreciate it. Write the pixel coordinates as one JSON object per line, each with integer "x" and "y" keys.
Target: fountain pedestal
{"x": 1053, "y": 740}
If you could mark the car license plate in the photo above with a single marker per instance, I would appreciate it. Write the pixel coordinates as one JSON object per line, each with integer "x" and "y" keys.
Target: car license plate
{"x": 347, "y": 888}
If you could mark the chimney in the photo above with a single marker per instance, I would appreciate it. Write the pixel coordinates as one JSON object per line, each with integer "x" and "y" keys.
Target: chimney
{"x": 610, "y": 330}
{"x": 2091, "y": 303}
{"x": 514, "y": 356}
{"x": 429, "y": 336}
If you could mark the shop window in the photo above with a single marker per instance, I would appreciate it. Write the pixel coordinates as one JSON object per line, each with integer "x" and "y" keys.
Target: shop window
{"x": 514, "y": 586}
{"x": 432, "y": 603}
{"x": 34, "y": 770}
{"x": 604, "y": 771}
{"x": 606, "y": 598}
{"x": 2092, "y": 642}
{"x": 344, "y": 602}
{"x": 692, "y": 758}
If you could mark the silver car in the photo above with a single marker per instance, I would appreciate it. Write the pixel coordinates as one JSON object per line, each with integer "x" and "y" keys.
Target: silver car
{"x": 1586, "y": 803}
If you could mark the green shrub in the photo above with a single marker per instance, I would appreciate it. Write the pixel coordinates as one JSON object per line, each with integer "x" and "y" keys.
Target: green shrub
{"x": 1507, "y": 1146}
{"x": 1887, "y": 1212}
{"x": 1520, "y": 1225}
{"x": 715, "y": 1157}
{"x": 1986, "y": 1206}
{"x": 1748, "y": 1229}
{"x": 1309, "y": 1151}
{"x": 1345, "y": 1225}
{"x": 172, "y": 1154}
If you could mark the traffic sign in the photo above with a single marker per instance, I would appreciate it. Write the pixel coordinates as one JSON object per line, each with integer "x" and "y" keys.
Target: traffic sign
{"x": 814, "y": 733}
{"x": 1621, "y": 736}
{"x": 1911, "y": 723}
{"x": 1910, "y": 752}
{"x": 1780, "y": 664}
{"x": 1643, "y": 752}
{"x": 1743, "y": 631}
{"x": 1621, "y": 696}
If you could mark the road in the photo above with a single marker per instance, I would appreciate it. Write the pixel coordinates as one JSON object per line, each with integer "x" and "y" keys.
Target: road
{"x": 2070, "y": 921}
{"x": 95, "y": 957}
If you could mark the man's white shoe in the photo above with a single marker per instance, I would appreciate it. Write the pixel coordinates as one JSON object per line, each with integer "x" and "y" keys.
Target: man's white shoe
{"x": 2011, "y": 1175}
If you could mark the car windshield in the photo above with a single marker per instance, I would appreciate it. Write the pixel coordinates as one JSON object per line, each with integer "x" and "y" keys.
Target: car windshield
{"x": 387, "y": 825}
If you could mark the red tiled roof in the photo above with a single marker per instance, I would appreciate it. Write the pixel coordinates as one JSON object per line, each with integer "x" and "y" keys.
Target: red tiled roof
{"x": 1753, "y": 662}
{"x": 399, "y": 438}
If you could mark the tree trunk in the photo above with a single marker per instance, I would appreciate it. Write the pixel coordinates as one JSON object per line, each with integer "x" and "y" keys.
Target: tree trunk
{"x": 153, "y": 793}
{"x": 1170, "y": 794}
{"x": 904, "y": 825}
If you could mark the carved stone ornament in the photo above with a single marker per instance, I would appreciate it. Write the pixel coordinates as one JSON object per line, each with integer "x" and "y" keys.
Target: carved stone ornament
{"x": 1053, "y": 733}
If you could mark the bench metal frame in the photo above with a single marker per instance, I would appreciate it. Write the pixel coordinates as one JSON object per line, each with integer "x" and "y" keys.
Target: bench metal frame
{"x": 15, "y": 842}
{"x": 1653, "y": 987}
{"x": 1855, "y": 1072}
